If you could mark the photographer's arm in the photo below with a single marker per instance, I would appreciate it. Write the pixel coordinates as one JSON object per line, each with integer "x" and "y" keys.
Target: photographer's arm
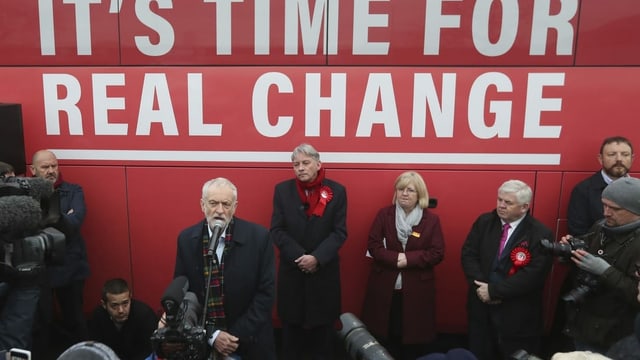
{"x": 622, "y": 282}
{"x": 587, "y": 262}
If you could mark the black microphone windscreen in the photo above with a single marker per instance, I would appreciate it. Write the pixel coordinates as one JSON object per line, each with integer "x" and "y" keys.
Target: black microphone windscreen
{"x": 40, "y": 188}
{"x": 36, "y": 187}
{"x": 174, "y": 294}
{"x": 19, "y": 215}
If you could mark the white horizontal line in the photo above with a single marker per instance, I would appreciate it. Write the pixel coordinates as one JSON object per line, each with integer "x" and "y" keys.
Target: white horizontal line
{"x": 330, "y": 157}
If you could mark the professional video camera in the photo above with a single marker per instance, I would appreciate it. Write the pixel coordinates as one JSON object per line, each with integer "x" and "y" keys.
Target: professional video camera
{"x": 359, "y": 343}
{"x": 182, "y": 338}
{"x": 28, "y": 211}
{"x": 585, "y": 280}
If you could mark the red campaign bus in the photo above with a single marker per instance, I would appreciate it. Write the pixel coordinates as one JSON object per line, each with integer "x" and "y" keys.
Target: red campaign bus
{"x": 143, "y": 101}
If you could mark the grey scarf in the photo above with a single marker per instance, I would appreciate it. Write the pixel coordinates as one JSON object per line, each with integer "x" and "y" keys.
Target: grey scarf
{"x": 405, "y": 222}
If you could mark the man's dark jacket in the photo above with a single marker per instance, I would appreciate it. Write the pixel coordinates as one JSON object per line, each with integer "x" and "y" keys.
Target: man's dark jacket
{"x": 607, "y": 312}
{"x": 132, "y": 341}
{"x": 249, "y": 283}
{"x": 585, "y": 204}
{"x": 76, "y": 264}
{"x": 520, "y": 293}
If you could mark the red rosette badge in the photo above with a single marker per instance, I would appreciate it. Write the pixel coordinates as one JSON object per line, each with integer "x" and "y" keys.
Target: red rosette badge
{"x": 325, "y": 196}
{"x": 520, "y": 256}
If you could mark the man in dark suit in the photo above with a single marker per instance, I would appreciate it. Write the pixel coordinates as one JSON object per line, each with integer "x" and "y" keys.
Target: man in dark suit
{"x": 505, "y": 266}
{"x": 242, "y": 265}
{"x": 309, "y": 226}
{"x": 585, "y": 205}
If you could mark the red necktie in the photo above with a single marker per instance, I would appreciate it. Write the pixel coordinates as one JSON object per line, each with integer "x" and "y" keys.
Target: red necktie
{"x": 503, "y": 238}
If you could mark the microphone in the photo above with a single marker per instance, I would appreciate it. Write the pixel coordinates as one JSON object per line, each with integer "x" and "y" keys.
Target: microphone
{"x": 19, "y": 215}
{"x": 218, "y": 229}
{"x": 36, "y": 187}
{"x": 173, "y": 295}
{"x": 40, "y": 188}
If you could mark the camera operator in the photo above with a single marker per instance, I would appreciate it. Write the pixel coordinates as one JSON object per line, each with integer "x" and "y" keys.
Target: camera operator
{"x": 24, "y": 247}
{"x": 230, "y": 262}
{"x": 605, "y": 312}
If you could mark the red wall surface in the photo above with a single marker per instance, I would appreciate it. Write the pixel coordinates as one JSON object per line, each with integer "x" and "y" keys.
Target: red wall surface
{"x": 144, "y": 101}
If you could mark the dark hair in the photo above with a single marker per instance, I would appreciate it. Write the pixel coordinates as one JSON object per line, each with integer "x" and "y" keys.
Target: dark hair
{"x": 6, "y": 168}
{"x": 114, "y": 286}
{"x": 615, "y": 139}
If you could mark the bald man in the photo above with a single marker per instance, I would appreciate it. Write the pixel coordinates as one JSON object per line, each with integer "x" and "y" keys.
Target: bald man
{"x": 65, "y": 280}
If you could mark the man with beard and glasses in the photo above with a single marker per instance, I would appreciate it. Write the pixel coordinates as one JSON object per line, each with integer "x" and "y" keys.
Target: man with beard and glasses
{"x": 585, "y": 205}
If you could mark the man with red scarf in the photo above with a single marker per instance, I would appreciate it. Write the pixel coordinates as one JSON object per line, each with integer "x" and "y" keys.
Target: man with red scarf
{"x": 67, "y": 280}
{"x": 308, "y": 225}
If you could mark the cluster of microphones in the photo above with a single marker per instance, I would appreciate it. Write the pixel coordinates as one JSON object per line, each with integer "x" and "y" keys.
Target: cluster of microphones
{"x": 31, "y": 228}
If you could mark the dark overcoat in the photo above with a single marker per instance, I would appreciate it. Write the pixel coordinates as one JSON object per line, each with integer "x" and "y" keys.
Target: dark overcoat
{"x": 308, "y": 299}
{"x": 519, "y": 312}
{"x": 75, "y": 265}
{"x": 131, "y": 341}
{"x": 609, "y": 307}
{"x": 585, "y": 204}
{"x": 249, "y": 283}
{"x": 424, "y": 250}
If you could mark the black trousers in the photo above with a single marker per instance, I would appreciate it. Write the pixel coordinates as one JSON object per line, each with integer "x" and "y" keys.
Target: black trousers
{"x": 317, "y": 342}
{"x": 67, "y": 327}
{"x": 488, "y": 342}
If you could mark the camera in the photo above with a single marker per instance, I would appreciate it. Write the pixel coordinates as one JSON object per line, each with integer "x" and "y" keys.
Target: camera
{"x": 27, "y": 205}
{"x": 587, "y": 283}
{"x": 181, "y": 338}
{"x": 359, "y": 343}
{"x": 31, "y": 253}
{"x": 564, "y": 249}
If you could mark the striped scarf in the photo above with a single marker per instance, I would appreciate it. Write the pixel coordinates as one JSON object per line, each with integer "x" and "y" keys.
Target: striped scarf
{"x": 215, "y": 304}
